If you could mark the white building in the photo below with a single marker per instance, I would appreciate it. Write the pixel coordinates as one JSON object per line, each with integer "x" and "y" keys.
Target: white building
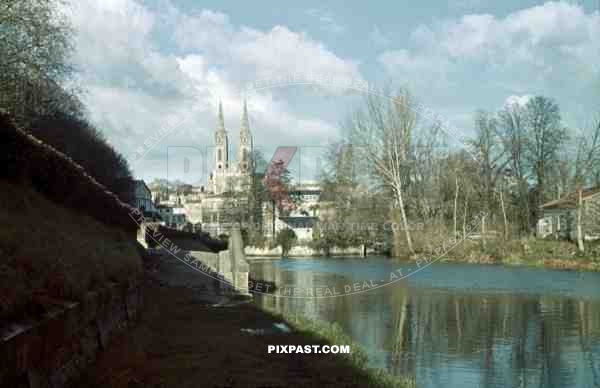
{"x": 227, "y": 183}
{"x": 301, "y": 220}
{"x": 143, "y": 197}
{"x": 174, "y": 217}
{"x": 212, "y": 206}
{"x": 559, "y": 217}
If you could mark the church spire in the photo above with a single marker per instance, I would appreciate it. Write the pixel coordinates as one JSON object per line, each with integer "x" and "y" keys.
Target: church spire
{"x": 220, "y": 120}
{"x": 245, "y": 128}
{"x": 221, "y": 143}
{"x": 245, "y": 149}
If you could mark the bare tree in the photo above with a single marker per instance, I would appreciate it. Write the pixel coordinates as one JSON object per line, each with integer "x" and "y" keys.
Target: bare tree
{"x": 384, "y": 133}
{"x": 545, "y": 136}
{"x": 455, "y": 203}
{"x": 588, "y": 156}
{"x": 513, "y": 134}
{"x": 428, "y": 174}
{"x": 492, "y": 161}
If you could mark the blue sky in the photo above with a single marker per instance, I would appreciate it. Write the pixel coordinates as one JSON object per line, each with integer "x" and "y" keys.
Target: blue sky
{"x": 143, "y": 63}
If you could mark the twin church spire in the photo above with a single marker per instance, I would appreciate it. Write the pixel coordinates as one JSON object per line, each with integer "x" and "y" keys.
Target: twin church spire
{"x": 222, "y": 143}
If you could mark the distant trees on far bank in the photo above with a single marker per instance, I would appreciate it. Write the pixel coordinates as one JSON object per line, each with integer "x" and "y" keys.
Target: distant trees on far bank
{"x": 516, "y": 160}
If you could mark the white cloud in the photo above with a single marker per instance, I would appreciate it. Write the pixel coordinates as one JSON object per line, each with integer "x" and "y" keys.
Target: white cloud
{"x": 538, "y": 42}
{"x": 278, "y": 51}
{"x": 134, "y": 80}
{"x": 107, "y": 31}
{"x": 517, "y": 100}
{"x": 475, "y": 61}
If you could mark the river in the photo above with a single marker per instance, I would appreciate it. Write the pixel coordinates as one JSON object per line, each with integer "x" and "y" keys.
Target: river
{"x": 453, "y": 325}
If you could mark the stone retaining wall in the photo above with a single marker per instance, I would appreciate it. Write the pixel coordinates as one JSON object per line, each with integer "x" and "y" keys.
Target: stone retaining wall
{"x": 234, "y": 279}
{"x": 53, "y": 351}
{"x": 229, "y": 265}
{"x": 304, "y": 250}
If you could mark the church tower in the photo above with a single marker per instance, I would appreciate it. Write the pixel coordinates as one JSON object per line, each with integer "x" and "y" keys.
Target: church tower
{"x": 221, "y": 144}
{"x": 245, "y": 149}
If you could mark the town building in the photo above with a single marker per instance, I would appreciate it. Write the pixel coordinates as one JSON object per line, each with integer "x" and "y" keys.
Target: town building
{"x": 559, "y": 217}
{"x": 224, "y": 200}
{"x": 301, "y": 220}
{"x": 174, "y": 217}
{"x": 228, "y": 184}
{"x": 143, "y": 198}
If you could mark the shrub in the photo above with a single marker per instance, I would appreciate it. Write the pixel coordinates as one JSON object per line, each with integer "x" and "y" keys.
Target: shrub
{"x": 286, "y": 238}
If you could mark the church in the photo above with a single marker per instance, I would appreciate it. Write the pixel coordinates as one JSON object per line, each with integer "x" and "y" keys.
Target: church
{"x": 230, "y": 179}
{"x": 228, "y": 175}
{"x": 225, "y": 198}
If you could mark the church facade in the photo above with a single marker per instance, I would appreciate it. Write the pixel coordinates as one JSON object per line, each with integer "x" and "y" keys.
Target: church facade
{"x": 225, "y": 198}
{"x": 231, "y": 176}
{"x": 212, "y": 206}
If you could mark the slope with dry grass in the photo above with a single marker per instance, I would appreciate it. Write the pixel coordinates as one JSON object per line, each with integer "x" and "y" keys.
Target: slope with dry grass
{"x": 50, "y": 252}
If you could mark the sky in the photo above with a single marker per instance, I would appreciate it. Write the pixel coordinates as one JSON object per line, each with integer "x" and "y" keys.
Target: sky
{"x": 153, "y": 71}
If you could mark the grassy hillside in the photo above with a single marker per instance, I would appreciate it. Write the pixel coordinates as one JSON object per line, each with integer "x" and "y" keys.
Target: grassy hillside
{"x": 51, "y": 252}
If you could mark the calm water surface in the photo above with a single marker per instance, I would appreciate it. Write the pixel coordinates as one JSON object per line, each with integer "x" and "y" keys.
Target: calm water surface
{"x": 455, "y": 325}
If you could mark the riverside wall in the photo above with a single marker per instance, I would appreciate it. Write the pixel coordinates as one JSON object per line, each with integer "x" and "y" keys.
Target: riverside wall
{"x": 54, "y": 350}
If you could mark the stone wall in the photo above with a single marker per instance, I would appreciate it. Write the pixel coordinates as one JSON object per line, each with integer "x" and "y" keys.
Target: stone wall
{"x": 233, "y": 278}
{"x": 303, "y": 251}
{"x": 257, "y": 251}
{"x": 54, "y": 350}
{"x": 230, "y": 265}
{"x": 152, "y": 234}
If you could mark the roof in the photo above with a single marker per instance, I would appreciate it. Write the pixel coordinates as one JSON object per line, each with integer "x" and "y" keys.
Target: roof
{"x": 140, "y": 182}
{"x": 569, "y": 200}
{"x": 300, "y": 222}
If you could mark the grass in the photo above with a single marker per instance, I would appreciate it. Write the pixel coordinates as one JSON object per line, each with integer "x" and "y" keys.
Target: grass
{"x": 50, "y": 252}
{"x": 530, "y": 251}
{"x": 534, "y": 252}
{"x": 358, "y": 358}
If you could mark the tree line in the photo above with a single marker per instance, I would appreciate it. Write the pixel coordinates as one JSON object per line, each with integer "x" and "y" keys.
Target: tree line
{"x": 392, "y": 165}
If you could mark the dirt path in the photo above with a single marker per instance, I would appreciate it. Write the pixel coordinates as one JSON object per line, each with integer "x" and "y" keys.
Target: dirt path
{"x": 183, "y": 340}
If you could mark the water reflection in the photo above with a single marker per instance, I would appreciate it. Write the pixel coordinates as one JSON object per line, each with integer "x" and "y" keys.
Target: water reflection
{"x": 458, "y": 337}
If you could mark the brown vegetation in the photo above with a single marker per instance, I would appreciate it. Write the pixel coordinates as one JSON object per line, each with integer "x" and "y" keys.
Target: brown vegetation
{"x": 555, "y": 254}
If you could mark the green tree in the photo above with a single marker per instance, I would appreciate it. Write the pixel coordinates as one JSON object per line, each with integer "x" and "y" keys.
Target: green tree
{"x": 35, "y": 46}
{"x": 286, "y": 239}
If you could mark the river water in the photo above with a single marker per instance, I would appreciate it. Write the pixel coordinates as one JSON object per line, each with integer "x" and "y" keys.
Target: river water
{"x": 452, "y": 325}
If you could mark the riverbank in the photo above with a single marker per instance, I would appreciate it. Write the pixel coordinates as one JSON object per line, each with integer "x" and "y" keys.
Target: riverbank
{"x": 189, "y": 336}
{"x": 532, "y": 252}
